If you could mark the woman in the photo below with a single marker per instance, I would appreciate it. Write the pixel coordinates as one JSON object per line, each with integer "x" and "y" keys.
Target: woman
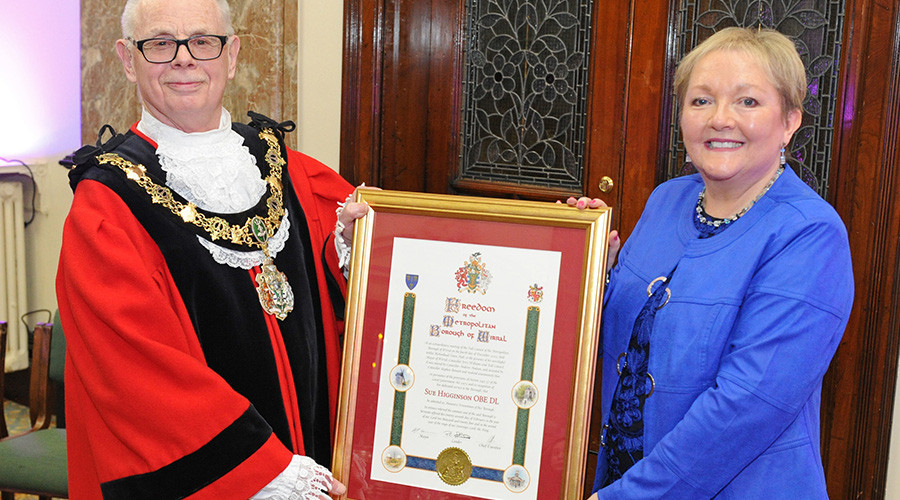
{"x": 729, "y": 298}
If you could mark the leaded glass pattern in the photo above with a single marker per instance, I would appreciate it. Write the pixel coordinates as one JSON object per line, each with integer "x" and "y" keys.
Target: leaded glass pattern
{"x": 525, "y": 92}
{"x": 815, "y": 26}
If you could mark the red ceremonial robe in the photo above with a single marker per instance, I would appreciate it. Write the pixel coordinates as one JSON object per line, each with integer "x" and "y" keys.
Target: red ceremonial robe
{"x": 175, "y": 377}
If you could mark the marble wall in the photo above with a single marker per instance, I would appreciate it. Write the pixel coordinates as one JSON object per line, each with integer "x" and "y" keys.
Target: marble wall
{"x": 265, "y": 82}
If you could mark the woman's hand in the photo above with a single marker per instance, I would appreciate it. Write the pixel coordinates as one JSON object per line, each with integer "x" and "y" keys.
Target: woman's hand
{"x": 614, "y": 244}
{"x": 613, "y": 239}
{"x": 585, "y": 202}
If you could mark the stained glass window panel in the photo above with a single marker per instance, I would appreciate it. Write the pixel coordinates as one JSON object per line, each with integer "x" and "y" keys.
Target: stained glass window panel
{"x": 525, "y": 92}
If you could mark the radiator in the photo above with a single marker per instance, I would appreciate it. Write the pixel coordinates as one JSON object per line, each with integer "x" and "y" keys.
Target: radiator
{"x": 12, "y": 272}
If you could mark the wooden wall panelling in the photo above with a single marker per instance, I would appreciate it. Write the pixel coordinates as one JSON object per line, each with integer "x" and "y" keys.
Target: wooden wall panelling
{"x": 404, "y": 91}
{"x": 444, "y": 94}
{"x": 360, "y": 94}
{"x": 643, "y": 116}
{"x": 610, "y": 65}
{"x": 858, "y": 393}
{"x": 400, "y": 120}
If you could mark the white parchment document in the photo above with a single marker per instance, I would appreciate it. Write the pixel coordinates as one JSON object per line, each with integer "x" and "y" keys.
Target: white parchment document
{"x": 464, "y": 368}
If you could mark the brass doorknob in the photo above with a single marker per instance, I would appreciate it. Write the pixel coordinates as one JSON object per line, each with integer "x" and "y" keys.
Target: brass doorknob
{"x": 606, "y": 184}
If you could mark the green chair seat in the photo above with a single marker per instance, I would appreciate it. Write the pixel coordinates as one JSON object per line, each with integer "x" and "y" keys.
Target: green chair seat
{"x": 35, "y": 462}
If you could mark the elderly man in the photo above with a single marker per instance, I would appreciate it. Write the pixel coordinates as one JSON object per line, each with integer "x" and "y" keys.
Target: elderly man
{"x": 200, "y": 285}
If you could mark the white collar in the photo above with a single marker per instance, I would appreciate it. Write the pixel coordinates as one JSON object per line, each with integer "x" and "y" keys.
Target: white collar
{"x": 213, "y": 169}
{"x": 216, "y": 172}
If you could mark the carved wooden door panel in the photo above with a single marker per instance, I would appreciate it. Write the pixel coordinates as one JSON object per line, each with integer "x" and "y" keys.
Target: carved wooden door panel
{"x": 413, "y": 69}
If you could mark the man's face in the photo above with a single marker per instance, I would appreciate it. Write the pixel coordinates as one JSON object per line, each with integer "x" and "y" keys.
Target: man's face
{"x": 184, "y": 93}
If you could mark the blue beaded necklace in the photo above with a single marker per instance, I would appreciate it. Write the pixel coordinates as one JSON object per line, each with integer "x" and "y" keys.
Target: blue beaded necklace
{"x": 709, "y": 226}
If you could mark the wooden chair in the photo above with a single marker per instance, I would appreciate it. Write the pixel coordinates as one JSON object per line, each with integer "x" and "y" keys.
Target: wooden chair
{"x": 34, "y": 462}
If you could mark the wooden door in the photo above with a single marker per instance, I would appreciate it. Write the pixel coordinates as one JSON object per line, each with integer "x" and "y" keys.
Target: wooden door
{"x": 403, "y": 70}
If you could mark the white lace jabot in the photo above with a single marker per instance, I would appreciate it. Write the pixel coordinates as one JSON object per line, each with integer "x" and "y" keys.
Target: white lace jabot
{"x": 216, "y": 172}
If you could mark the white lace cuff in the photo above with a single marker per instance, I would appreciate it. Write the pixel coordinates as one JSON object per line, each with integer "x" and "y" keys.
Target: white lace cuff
{"x": 302, "y": 479}
{"x": 341, "y": 245}
{"x": 343, "y": 251}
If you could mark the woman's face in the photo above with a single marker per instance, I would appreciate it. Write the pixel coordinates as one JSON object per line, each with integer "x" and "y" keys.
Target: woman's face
{"x": 732, "y": 121}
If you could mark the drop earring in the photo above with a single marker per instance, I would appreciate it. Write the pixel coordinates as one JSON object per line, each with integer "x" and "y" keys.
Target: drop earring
{"x": 687, "y": 158}
{"x": 783, "y": 161}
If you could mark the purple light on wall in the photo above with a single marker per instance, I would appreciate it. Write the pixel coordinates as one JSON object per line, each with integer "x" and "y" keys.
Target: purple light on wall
{"x": 40, "y": 77}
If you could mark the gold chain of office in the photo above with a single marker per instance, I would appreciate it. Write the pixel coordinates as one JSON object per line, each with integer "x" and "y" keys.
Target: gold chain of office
{"x": 250, "y": 233}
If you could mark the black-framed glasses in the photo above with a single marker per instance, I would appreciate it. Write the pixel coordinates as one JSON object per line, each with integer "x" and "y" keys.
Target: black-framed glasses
{"x": 163, "y": 50}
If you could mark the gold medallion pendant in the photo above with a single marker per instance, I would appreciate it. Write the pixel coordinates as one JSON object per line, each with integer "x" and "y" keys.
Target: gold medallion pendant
{"x": 275, "y": 294}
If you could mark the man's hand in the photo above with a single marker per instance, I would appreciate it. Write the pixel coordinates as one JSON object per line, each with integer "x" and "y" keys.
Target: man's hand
{"x": 337, "y": 488}
{"x": 352, "y": 211}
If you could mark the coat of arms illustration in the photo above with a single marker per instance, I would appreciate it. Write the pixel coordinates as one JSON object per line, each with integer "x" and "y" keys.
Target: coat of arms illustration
{"x": 473, "y": 276}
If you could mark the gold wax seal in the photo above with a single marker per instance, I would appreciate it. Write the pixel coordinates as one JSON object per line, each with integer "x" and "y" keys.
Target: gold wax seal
{"x": 453, "y": 466}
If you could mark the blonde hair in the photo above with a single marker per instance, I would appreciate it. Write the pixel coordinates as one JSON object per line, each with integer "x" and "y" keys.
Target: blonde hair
{"x": 774, "y": 52}
{"x": 129, "y": 17}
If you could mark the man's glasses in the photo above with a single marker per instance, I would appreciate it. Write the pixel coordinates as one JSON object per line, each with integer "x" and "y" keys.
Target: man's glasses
{"x": 163, "y": 50}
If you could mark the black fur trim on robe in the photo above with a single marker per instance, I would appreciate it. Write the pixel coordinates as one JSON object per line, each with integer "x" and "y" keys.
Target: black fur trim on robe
{"x": 191, "y": 473}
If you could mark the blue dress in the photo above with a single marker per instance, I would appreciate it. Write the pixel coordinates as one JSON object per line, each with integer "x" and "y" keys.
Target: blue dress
{"x": 738, "y": 354}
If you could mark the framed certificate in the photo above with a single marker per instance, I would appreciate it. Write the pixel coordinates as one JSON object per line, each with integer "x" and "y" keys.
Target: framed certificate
{"x": 469, "y": 357}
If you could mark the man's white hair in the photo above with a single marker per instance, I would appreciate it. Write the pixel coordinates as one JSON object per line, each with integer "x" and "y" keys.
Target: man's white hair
{"x": 129, "y": 17}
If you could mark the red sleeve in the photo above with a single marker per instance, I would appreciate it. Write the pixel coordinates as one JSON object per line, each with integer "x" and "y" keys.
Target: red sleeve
{"x": 320, "y": 189}
{"x": 139, "y": 395}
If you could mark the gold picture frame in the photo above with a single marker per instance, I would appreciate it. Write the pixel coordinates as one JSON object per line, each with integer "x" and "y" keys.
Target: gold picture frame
{"x": 461, "y": 374}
